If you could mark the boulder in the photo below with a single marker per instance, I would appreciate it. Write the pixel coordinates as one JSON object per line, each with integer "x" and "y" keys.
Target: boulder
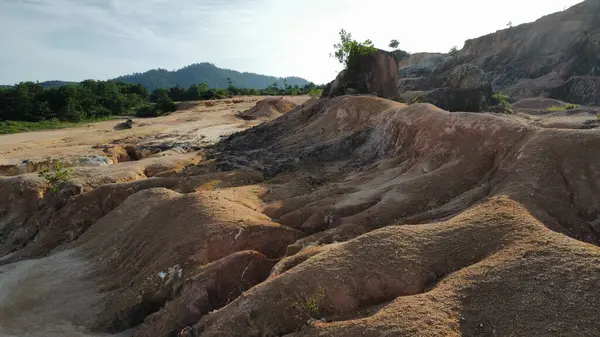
{"x": 125, "y": 125}
{"x": 411, "y": 84}
{"x": 467, "y": 77}
{"x": 373, "y": 74}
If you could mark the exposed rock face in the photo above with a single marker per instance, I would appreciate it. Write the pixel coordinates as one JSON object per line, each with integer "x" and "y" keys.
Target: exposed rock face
{"x": 216, "y": 285}
{"x": 543, "y": 55}
{"x": 419, "y": 64}
{"x": 585, "y": 89}
{"x": 462, "y": 88}
{"x": 373, "y": 74}
{"x": 557, "y": 56}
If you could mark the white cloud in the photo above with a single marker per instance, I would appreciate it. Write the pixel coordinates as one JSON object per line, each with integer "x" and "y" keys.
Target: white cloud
{"x": 78, "y": 39}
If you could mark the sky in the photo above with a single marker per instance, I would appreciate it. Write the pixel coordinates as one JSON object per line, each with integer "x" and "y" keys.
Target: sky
{"x": 74, "y": 40}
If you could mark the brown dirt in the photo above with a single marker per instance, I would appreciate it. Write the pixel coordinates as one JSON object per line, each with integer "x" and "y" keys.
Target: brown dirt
{"x": 192, "y": 126}
{"x": 535, "y": 111}
{"x": 537, "y": 103}
{"x": 492, "y": 270}
{"x": 271, "y": 107}
{"x": 351, "y": 216}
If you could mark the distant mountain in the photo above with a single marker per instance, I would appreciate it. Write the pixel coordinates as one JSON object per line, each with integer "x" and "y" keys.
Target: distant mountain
{"x": 206, "y": 73}
{"x": 56, "y": 84}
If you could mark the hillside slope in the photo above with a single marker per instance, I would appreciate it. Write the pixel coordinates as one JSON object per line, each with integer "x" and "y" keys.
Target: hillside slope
{"x": 542, "y": 55}
{"x": 557, "y": 56}
{"x": 206, "y": 73}
{"x": 436, "y": 223}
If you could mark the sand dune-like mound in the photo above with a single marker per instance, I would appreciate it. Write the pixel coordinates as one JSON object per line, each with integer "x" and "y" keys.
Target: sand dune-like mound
{"x": 351, "y": 216}
{"x": 537, "y": 103}
{"x": 271, "y": 107}
{"x": 492, "y": 270}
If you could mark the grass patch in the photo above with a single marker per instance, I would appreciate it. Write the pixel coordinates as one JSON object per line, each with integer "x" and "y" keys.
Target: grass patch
{"x": 7, "y": 127}
{"x": 211, "y": 185}
{"x": 310, "y": 306}
{"x": 566, "y": 107}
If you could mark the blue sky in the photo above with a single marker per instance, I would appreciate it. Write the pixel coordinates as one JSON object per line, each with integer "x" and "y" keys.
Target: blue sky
{"x": 100, "y": 39}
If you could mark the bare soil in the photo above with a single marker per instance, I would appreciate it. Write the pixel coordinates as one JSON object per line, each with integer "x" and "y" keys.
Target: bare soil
{"x": 352, "y": 216}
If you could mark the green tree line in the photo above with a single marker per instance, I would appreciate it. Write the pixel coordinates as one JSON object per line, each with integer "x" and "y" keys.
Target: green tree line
{"x": 89, "y": 99}
{"x": 201, "y": 91}
{"x": 31, "y": 102}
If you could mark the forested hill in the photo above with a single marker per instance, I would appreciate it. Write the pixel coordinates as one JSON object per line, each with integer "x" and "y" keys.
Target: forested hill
{"x": 56, "y": 84}
{"x": 206, "y": 73}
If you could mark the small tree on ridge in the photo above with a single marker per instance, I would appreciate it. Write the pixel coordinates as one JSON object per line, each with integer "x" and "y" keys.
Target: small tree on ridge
{"x": 348, "y": 49}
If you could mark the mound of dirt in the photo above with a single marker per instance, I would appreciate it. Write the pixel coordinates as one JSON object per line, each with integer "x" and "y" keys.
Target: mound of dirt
{"x": 390, "y": 155}
{"x": 271, "y": 107}
{"x": 537, "y": 103}
{"x": 157, "y": 238}
{"x": 493, "y": 270}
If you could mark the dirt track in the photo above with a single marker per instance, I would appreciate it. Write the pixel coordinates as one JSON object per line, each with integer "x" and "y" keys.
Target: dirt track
{"x": 435, "y": 223}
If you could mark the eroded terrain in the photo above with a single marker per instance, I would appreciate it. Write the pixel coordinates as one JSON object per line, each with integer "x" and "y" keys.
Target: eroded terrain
{"x": 349, "y": 216}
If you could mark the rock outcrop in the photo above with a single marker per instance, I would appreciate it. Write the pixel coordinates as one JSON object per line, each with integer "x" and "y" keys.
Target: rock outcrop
{"x": 544, "y": 56}
{"x": 583, "y": 89}
{"x": 461, "y": 88}
{"x": 557, "y": 56}
{"x": 374, "y": 74}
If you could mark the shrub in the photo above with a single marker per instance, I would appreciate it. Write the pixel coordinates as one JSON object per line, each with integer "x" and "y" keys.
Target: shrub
{"x": 310, "y": 306}
{"x": 55, "y": 178}
{"x": 166, "y": 105}
{"x": 572, "y": 106}
{"x": 558, "y": 108}
{"x": 453, "y": 51}
{"x": 147, "y": 111}
{"x": 416, "y": 100}
{"x": 163, "y": 107}
{"x": 501, "y": 99}
{"x": 315, "y": 93}
{"x": 99, "y": 112}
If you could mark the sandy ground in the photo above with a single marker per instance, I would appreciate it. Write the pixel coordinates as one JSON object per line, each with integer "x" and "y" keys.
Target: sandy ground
{"x": 48, "y": 297}
{"x": 197, "y": 122}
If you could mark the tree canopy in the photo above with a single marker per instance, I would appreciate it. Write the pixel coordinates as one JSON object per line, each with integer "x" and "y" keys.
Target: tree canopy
{"x": 348, "y": 49}
{"x": 32, "y": 102}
